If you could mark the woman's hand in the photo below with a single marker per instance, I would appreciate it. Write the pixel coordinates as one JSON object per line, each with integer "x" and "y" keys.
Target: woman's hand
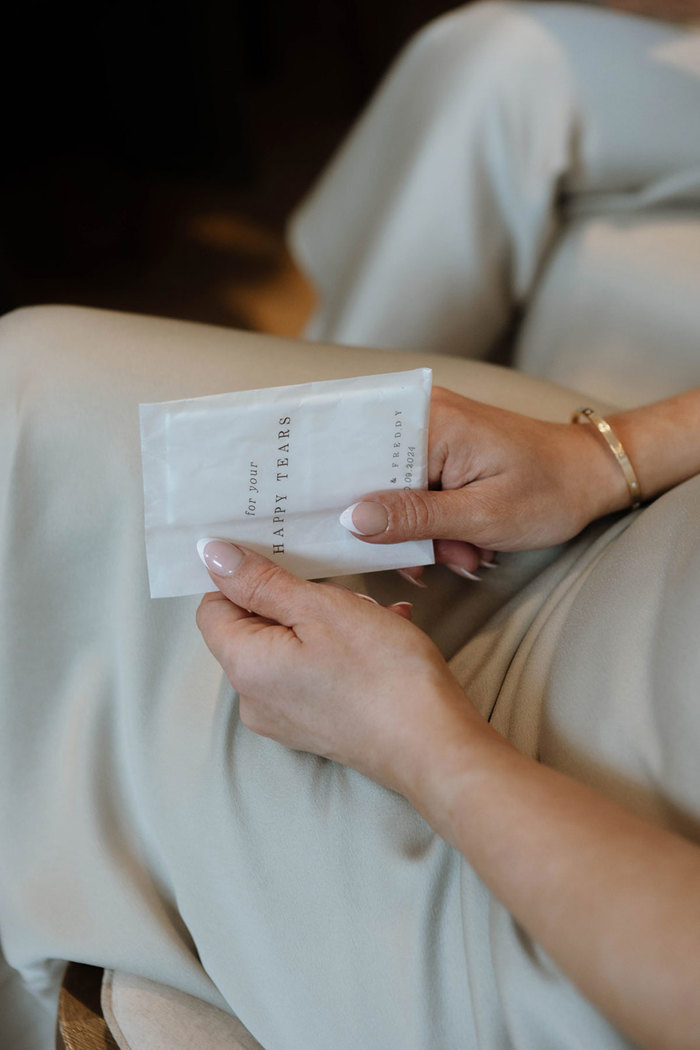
{"x": 506, "y": 482}
{"x": 320, "y": 669}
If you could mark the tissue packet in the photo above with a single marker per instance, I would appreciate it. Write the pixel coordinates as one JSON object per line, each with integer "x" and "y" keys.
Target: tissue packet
{"x": 273, "y": 469}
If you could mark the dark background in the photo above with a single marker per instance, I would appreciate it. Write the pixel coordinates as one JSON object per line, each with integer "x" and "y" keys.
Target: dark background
{"x": 154, "y": 150}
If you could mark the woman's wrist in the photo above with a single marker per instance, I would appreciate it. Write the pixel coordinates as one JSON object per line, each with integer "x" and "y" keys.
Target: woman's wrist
{"x": 444, "y": 755}
{"x": 662, "y": 441}
{"x": 607, "y": 485}
{"x": 596, "y": 473}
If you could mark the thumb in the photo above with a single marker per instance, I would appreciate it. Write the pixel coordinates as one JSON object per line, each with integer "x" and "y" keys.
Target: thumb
{"x": 255, "y": 583}
{"x": 413, "y": 514}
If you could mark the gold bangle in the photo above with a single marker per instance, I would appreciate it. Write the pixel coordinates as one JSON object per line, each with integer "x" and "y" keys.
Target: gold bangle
{"x": 588, "y": 415}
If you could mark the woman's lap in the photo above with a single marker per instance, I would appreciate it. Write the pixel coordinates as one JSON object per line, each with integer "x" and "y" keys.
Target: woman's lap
{"x": 149, "y": 831}
{"x": 154, "y": 833}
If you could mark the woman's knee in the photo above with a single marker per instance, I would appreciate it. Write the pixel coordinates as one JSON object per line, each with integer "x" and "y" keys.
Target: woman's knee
{"x": 41, "y": 344}
{"x": 68, "y": 417}
{"x": 492, "y": 48}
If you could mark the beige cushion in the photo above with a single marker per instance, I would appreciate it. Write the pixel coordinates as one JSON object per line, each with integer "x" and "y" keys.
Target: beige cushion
{"x": 143, "y": 1015}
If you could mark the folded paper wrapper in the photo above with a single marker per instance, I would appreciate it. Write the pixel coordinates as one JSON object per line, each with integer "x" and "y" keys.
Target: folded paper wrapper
{"x": 273, "y": 470}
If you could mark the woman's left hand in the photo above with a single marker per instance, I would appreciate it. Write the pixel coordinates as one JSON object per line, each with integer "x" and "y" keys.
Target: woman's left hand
{"x": 320, "y": 669}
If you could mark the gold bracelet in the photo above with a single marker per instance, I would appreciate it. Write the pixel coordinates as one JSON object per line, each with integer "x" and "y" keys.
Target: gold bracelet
{"x": 588, "y": 415}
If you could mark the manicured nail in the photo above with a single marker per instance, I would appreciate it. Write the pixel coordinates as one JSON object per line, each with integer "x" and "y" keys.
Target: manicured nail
{"x": 366, "y": 598}
{"x": 367, "y": 519}
{"x": 412, "y": 579}
{"x": 488, "y": 564}
{"x": 409, "y": 605}
{"x": 219, "y": 556}
{"x": 464, "y": 572}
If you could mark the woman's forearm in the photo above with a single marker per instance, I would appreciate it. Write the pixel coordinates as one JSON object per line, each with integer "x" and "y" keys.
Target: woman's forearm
{"x": 662, "y": 441}
{"x": 613, "y": 899}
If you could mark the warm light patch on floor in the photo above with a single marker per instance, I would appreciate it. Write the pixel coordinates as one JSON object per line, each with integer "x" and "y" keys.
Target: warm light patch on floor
{"x": 280, "y": 305}
{"x": 264, "y": 290}
{"x": 230, "y": 232}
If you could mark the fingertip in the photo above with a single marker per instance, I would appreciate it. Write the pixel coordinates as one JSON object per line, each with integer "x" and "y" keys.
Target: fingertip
{"x": 366, "y": 518}
{"x": 345, "y": 518}
{"x": 220, "y": 557}
{"x": 201, "y": 544}
{"x": 413, "y": 576}
{"x": 459, "y": 570}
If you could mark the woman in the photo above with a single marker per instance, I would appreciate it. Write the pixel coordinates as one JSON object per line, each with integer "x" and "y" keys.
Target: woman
{"x": 526, "y": 882}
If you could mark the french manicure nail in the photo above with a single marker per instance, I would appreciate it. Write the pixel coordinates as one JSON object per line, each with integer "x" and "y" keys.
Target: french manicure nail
{"x": 464, "y": 572}
{"x": 488, "y": 564}
{"x": 366, "y": 598}
{"x": 367, "y": 519}
{"x": 411, "y": 579}
{"x": 219, "y": 556}
{"x": 409, "y": 605}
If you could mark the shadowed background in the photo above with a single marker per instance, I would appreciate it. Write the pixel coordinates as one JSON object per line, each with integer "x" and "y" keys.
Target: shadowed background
{"x": 154, "y": 150}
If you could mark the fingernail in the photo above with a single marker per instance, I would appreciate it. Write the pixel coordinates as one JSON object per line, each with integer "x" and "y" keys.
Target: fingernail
{"x": 366, "y": 598}
{"x": 411, "y": 579}
{"x": 464, "y": 572}
{"x": 409, "y": 605}
{"x": 219, "y": 556}
{"x": 488, "y": 564}
{"x": 367, "y": 519}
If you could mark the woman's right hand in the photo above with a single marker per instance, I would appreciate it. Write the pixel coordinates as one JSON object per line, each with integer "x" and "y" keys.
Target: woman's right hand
{"x": 498, "y": 481}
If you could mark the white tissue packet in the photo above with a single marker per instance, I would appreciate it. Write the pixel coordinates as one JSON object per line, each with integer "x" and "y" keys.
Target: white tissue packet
{"x": 273, "y": 469}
